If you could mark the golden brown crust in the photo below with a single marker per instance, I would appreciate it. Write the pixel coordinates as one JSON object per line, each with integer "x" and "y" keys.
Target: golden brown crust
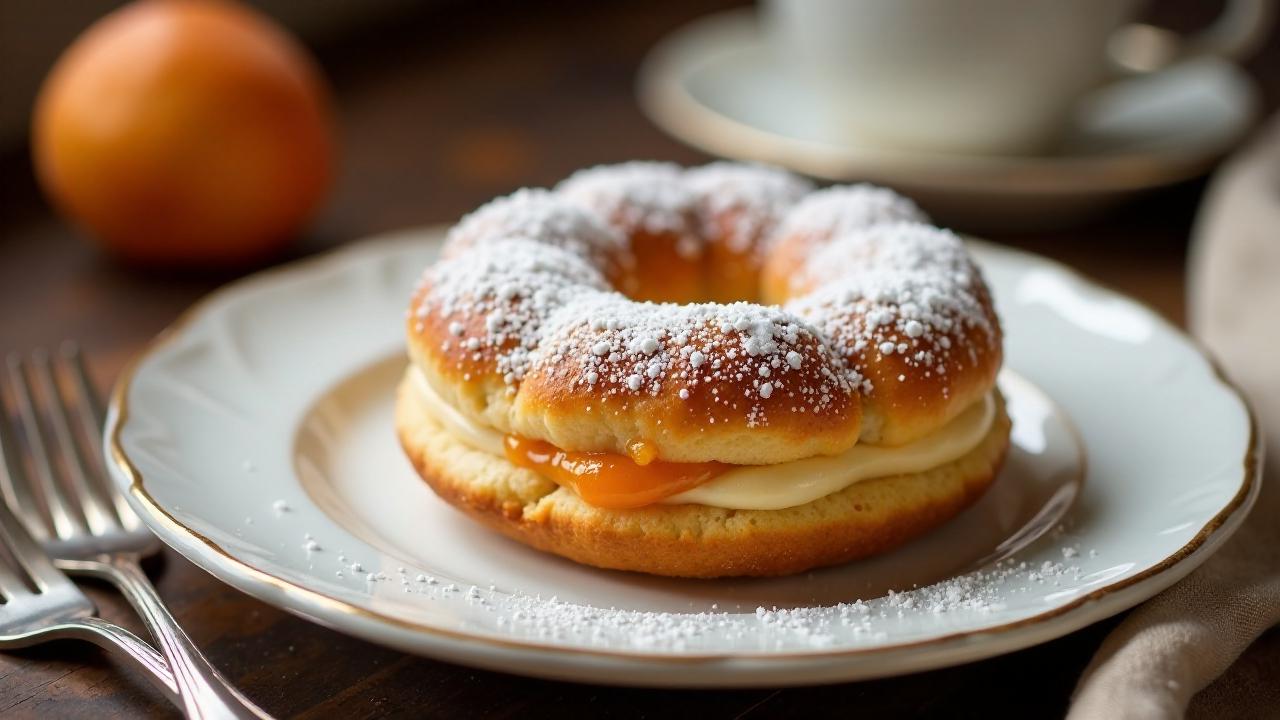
{"x": 866, "y": 518}
{"x": 529, "y": 323}
{"x": 694, "y": 411}
{"x": 732, "y": 269}
{"x": 661, "y": 273}
{"x": 922, "y": 382}
{"x": 904, "y": 404}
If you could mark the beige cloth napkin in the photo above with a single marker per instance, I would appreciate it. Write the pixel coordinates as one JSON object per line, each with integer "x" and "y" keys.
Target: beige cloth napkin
{"x": 1181, "y": 652}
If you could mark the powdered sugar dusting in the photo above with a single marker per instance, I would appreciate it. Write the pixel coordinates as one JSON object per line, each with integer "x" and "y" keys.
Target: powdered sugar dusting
{"x": 529, "y": 289}
{"x": 611, "y": 346}
{"x": 970, "y": 597}
{"x": 846, "y": 208}
{"x": 544, "y": 217}
{"x": 754, "y": 198}
{"x": 495, "y": 299}
{"x": 1040, "y": 577}
{"x": 1050, "y": 573}
{"x": 976, "y": 599}
{"x": 904, "y": 289}
{"x": 522, "y": 309}
{"x": 640, "y": 195}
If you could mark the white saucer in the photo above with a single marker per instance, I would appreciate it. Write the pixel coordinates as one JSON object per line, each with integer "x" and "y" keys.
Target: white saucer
{"x": 255, "y": 437}
{"x": 717, "y": 85}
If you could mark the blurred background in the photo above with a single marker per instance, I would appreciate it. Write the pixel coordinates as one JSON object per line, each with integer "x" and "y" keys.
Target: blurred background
{"x": 439, "y": 106}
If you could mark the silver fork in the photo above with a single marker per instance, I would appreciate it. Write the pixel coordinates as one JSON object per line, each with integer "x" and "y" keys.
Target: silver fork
{"x": 74, "y": 510}
{"x": 42, "y": 604}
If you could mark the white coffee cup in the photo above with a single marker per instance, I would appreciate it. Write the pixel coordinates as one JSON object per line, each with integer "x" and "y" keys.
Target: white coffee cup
{"x": 975, "y": 76}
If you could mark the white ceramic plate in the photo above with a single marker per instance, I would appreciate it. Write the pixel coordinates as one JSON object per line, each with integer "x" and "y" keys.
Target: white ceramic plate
{"x": 717, "y": 85}
{"x": 255, "y": 437}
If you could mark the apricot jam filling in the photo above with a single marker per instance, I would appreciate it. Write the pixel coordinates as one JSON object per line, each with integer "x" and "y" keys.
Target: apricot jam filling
{"x": 610, "y": 480}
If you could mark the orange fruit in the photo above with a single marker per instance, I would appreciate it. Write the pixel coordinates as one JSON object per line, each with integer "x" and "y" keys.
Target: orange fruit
{"x": 185, "y": 132}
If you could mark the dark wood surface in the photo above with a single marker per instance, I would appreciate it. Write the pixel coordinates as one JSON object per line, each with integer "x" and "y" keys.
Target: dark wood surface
{"x": 439, "y": 112}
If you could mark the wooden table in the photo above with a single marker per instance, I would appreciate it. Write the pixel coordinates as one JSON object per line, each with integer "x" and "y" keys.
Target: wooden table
{"x": 440, "y": 112}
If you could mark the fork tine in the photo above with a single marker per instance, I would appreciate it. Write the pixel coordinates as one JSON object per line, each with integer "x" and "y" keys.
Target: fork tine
{"x": 91, "y": 410}
{"x": 31, "y": 558}
{"x": 11, "y": 585}
{"x": 96, "y": 514}
{"x": 17, "y": 487}
{"x": 92, "y": 420}
{"x": 61, "y": 517}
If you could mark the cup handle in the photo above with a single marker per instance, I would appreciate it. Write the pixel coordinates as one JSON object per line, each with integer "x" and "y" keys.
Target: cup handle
{"x": 1238, "y": 32}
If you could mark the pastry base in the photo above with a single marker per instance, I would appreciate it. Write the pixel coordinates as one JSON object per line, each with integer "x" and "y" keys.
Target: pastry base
{"x": 866, "y": 518}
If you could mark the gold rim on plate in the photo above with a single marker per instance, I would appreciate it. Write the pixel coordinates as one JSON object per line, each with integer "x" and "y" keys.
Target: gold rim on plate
{"x": 119, "y": 409}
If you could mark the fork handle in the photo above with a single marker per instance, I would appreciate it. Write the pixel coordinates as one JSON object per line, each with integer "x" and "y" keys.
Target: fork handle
{"x": 113, "y": 638}
{"x": 204, "y": 693}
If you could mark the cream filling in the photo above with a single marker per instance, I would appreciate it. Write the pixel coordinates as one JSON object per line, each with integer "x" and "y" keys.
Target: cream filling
{"x": 773, "y": 487}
